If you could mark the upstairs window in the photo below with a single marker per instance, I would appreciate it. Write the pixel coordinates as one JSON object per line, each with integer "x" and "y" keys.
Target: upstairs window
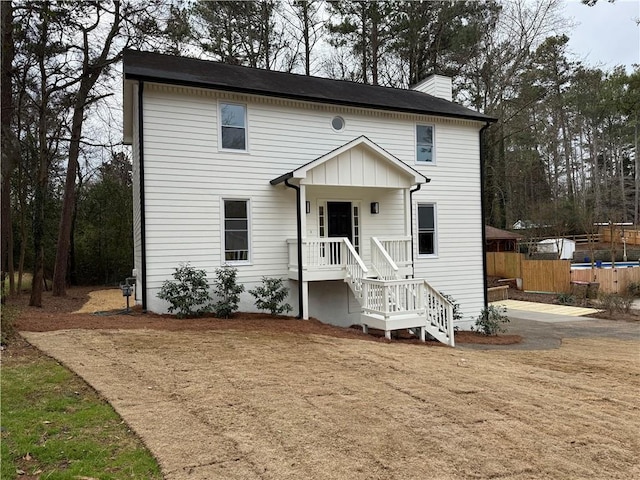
{"x": 233, "y": 126}
{"x": 236, "y": 231}
{"x": 424, "y": 143}
{"x": 426, "y": 229}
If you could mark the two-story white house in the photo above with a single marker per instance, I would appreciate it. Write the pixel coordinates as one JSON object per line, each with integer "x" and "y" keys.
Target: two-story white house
{"x": 366, "y": 198}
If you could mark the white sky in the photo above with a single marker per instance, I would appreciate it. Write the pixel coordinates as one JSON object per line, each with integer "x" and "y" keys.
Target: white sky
{"x": 606, "y": 34}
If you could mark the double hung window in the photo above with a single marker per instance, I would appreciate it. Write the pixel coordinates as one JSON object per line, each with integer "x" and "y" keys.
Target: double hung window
{"x": 233, "y": 126}
{"x": 236, "y": 230}
{"x": 424, "y": 144}
{"x": 426, "y": 229}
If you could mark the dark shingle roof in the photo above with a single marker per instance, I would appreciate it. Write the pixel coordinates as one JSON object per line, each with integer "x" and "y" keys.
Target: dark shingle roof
{"x": 160, "y": 68}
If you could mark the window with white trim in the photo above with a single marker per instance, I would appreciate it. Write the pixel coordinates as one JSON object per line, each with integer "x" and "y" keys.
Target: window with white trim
{"x": 233, "y": 126}
{"x": 236, "y": 231}
{"x": 424, "y": 144}
{"x": 426, "y": 229}
{"x": 356, "y": 228}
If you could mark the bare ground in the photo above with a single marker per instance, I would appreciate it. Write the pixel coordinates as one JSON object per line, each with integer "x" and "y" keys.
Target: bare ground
{"x": 255, "y": 400}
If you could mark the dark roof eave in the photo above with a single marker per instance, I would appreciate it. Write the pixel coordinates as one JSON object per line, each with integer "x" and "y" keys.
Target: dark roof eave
{"x": 169, "y": 81}
{"x": 281, "y": 178}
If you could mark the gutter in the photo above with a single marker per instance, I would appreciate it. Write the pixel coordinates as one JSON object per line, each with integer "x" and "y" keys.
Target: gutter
{"x": 299, "y": 231}
{"x": 418, "y": 187}
{"x": 143, "y": 234}
{"x": 482, "y": 215}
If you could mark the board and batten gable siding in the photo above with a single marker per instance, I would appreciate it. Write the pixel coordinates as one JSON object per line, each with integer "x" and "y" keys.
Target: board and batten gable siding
{"x": 187, "y": 177}
{"x": 357, "y": 167}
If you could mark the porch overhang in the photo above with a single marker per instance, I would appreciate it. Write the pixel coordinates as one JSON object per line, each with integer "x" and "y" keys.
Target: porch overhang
{"x": 358, "y": 163}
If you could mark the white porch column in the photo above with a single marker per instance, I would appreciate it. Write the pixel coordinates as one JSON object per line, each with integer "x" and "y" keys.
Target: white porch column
{"x": 305, "y": 300}
{"x": 303, "y": 224}
{"x": 407, "y": 212}
{"x": 303, "y": 210}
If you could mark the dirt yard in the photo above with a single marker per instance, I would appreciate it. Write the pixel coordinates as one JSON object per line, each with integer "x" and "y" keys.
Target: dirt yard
{"x": 290, "y": 399}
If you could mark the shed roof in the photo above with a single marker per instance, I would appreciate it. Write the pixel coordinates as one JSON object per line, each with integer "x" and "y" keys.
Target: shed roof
{"x": 492, "y": 233}
{"x": 155, "y": 67}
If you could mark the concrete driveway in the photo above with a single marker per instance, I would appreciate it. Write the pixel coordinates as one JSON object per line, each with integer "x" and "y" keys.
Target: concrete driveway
{"x": 544, "y": 326}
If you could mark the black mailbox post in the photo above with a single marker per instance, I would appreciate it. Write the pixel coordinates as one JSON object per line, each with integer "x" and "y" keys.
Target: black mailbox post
{"x": 127, "y": 291}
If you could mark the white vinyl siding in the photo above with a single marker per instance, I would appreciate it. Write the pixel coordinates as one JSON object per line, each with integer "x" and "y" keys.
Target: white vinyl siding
{"x": 188, "y": 175}
{"x": 137, "y": 208}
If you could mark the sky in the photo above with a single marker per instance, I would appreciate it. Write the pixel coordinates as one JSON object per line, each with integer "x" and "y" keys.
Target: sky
{"x": 606, "y": 34}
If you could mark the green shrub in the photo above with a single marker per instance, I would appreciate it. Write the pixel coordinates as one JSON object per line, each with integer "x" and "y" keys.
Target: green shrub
{"x": 228, "y": 291}
{"x": 271, "y": 295}
{"x": 566, "y": 299}
{"x": 189, "y": 294}
{"x": 491, "y": 320}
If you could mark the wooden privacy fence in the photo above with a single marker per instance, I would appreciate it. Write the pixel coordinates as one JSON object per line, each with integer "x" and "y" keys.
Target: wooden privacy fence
{"x": 552, "y": 276}
{"x": 504, "y": 264}
{"x": 632, "y": 235}
{"x": 611, "y": 280}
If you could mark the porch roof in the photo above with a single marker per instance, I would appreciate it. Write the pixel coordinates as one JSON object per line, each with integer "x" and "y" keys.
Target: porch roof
{"x": 359, "y": 162}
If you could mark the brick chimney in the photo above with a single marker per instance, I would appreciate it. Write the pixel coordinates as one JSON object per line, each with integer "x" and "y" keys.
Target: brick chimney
{"x": 436, "y": 85}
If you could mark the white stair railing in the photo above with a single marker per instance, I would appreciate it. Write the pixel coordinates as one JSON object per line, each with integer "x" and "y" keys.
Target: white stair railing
{"x": 411, "y": 302}
{"x": 439, "y": 313}
{"x": 355, "y": 268}
{"x": 398, "y": 248}
{"x": 390, "y": 298}
{"x": 321, "y": 253}
{"x": 382, "y": 262}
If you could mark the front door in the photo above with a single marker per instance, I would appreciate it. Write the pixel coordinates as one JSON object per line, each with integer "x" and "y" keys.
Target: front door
{"x": 339, "y": 225}
{"x": 339, "y": 214}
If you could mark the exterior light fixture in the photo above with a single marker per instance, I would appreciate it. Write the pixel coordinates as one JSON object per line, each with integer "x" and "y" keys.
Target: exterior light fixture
{"x": 375, "y": 208}
{"x": 307, "y": 205}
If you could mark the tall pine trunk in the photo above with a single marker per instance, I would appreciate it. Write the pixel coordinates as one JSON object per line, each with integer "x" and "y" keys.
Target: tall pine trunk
{"x": 8, "y": 147}
{"x": 69, "y": 202}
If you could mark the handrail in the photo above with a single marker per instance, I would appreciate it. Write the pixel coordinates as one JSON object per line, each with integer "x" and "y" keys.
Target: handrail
{"x": 399, "y": 249}
{"x": 382, "y": 262}
{"x": 439, "y": 312}
{"x": 393, "y": 297}
{"x": 354, "y": 254}
{"x": 355, "y": 268}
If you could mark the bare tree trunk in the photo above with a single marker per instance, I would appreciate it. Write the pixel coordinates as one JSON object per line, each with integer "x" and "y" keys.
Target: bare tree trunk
{"x": 8, "y": 146}
{"x": 596, "y": 172}
{"x": 38, "y": 215}
{"x": 42, "y": 181}
{"x": 636, "y": 210}
{"x": 305, "y": 36}
{"x": 90, "y": 74}
{"x": 64, "y": 232}
{"x": 623, "y": 190}
{"x": 375, "y": 46}
{"x": 363, "y": 39}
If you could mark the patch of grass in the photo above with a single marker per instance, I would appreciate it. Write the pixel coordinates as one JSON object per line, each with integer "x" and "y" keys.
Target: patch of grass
{"x": 27, "y": 278}
{"x": 55, "y": 426}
